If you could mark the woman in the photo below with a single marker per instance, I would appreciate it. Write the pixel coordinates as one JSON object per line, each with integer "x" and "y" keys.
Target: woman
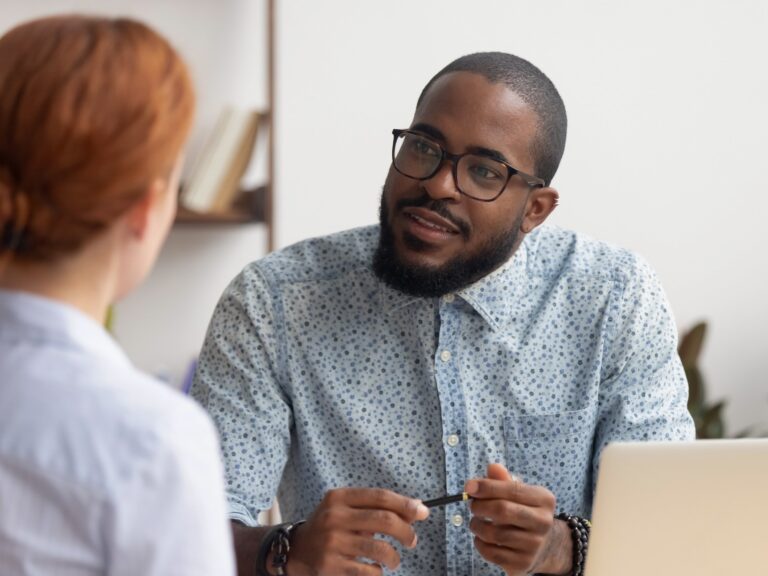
{"x": 103, "y": 470}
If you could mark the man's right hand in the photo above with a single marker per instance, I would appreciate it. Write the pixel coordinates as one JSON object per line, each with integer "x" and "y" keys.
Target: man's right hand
{"x": 339, "y": 537}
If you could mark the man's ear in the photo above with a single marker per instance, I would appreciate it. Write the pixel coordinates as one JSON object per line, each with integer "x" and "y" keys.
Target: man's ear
{"x": 541, "y": 203}
{"x": 138, "y": 215}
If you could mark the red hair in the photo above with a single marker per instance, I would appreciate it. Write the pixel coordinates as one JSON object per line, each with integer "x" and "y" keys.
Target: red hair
{"x": 92, "y": 110}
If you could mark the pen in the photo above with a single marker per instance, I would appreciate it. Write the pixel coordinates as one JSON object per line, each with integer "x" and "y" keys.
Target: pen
{"x": 446, "y": 500}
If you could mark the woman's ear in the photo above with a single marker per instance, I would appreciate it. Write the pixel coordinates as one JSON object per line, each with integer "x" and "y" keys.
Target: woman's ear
{"x": 138, "y": 215}
{"x": 541, "y": 203}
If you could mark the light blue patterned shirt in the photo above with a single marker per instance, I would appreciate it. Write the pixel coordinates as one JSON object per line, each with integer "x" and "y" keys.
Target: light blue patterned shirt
{"x": 319, "y": 376}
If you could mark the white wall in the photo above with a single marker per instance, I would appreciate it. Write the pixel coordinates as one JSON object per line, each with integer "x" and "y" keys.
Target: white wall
{"x": 666, "y": 101}
{"x": 666, "y": 147}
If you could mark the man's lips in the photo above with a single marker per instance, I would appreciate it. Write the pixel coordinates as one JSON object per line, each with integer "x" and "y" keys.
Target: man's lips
{"x": 430, "y": 219}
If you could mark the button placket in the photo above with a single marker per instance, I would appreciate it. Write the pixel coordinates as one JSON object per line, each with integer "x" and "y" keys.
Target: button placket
{"x": 454, "y": 426}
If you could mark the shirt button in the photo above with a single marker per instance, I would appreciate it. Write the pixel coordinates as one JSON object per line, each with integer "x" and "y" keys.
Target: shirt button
{"x": 453, "y": 440}
{"x": 445, "y": 355}
{"x": 449, "y": 298}
{"x": 457, "y": 520}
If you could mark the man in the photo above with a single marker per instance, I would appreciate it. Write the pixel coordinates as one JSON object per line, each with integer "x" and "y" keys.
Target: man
{"x": 456, "y": 347}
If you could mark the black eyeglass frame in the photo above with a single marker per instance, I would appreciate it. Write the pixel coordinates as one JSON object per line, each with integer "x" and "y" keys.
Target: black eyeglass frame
{"x": 530, "y": 180}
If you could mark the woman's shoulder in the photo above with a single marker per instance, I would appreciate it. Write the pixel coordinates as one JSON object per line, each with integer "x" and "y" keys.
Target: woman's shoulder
{"x": 107, "y": 428}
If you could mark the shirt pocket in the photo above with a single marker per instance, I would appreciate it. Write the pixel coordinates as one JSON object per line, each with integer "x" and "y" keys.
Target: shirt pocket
{"x": 555, "y": 451}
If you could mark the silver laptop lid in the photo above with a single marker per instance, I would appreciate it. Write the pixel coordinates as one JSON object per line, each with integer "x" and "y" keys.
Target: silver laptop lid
{"x": 679, "y": 508}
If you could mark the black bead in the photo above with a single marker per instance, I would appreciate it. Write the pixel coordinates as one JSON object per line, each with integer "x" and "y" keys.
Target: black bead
{"x": 579, "y": 528}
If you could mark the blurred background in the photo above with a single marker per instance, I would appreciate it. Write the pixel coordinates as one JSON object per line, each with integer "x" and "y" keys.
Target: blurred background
{"x": 666, "y": 146}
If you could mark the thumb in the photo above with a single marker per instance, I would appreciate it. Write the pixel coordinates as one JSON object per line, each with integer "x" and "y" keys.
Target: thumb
{"x": 499, "y": 472}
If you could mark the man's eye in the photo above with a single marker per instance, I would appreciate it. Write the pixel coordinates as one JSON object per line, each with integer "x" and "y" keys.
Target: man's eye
{"x": 484, "y": 172}
{"x": 424, "y": 148}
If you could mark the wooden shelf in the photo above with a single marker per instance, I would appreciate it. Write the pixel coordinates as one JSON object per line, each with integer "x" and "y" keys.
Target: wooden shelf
{"x": 185, "y": 216}
{"x": 248, "y": 208}
{"x": 254, "y": 206}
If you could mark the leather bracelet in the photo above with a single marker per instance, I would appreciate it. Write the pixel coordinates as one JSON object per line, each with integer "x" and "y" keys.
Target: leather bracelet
{"x": 580, "y": 529}
{"x": 277, "y": 541}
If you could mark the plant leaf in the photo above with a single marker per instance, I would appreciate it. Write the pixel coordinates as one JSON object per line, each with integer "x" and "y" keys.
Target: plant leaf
{"x": 696, "y": 393}
{"x": 712, "y": 422}
{"x": 691, "y": 344}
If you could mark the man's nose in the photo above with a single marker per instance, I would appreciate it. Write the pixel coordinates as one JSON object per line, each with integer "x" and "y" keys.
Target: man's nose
{"x": 442, "y": 186}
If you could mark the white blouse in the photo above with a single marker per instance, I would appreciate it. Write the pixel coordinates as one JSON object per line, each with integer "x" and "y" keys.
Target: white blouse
{"x": 103, "y": 470}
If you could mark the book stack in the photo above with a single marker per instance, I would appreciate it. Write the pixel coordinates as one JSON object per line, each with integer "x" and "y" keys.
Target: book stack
{"x": 215, "y": 180}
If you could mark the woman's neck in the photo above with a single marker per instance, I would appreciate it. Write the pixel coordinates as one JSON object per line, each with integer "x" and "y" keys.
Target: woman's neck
{"x": 86, "y": 280}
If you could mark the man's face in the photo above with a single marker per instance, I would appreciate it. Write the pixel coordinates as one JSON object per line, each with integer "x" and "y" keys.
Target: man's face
{"x": 435, "y": 240}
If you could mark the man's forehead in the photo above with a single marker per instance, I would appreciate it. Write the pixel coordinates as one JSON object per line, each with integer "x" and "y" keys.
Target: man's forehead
{"x": 469, "y": 110}
{"x": 473, "y": 86}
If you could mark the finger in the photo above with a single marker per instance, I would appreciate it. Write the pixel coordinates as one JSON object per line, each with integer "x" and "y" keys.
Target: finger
{"x": 378, "y": 551}
{"x": 498, "y": 471}
{"x": 381, "y": 522}
{"x": 372, "y": 534}
{"x": 506, "y": 513}
{"x": 512, "y": 561}
{"x": 507, "y": 536}
{"x": 512, "y": 489}
{"x": 350, "y": 567}
{"x": 409, "y": 509}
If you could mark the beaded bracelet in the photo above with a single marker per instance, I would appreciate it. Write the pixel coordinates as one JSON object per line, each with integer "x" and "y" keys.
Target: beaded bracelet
{"x": 277, "y": 541}
{"x": 580, "y": 528}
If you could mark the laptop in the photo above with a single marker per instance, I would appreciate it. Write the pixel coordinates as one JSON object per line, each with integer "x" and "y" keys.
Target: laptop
{"x": 681, "y": 508}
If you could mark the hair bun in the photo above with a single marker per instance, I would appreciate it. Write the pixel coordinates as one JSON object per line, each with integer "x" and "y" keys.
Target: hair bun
{"x": 117, "y": 110}
{"x": 14, "y": 212}
{"x": 6, "y": 202}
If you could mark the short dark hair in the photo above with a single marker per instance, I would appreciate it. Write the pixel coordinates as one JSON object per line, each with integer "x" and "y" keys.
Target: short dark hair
{"x": 536, "y": 90}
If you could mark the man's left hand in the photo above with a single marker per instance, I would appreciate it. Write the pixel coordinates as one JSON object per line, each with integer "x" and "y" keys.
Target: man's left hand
{"x": 514, "y": 524}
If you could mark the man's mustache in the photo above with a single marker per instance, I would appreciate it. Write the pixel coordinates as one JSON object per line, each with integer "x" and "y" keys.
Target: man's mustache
{"x": 439, "y": 207}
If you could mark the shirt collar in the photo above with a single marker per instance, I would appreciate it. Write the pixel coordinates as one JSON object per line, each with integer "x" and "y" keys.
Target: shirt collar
{"x": 392, "y": 300}
{"x": 493, "y": 297}
{"x": 31, "y": 318}
{"x": 496, "y": 296}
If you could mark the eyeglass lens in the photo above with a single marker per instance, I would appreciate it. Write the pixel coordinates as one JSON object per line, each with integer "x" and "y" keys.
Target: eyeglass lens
{"x": 478, "y": 176}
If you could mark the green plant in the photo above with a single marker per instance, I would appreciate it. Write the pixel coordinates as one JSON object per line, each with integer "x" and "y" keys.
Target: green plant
{"x": 708, "y": 418}
{"x": 109, "y": 319}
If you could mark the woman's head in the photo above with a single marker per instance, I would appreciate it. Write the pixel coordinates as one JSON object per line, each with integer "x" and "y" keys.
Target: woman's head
{"x": 94, "y": 113}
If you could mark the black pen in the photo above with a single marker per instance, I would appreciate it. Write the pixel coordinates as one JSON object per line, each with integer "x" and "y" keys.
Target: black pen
{"x": 446, "y": 500}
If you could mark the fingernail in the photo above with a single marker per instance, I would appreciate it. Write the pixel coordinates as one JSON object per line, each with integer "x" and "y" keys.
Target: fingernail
{"x": 415, "y": 540}
{"x": 471, "y": 487}
{"x": 417, "y": 508}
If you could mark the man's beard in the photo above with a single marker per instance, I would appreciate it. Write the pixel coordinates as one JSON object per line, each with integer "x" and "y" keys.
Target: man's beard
{"x": 455, "y": 274}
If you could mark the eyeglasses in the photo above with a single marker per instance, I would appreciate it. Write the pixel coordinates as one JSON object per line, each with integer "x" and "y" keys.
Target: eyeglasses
{"x": 480, "y": 177}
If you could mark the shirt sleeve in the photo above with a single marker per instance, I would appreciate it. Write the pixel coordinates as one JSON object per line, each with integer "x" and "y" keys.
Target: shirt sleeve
{"x": 168, "y": 515}
{"x": 238, "y": 382}
{"x": 643, "y": 390}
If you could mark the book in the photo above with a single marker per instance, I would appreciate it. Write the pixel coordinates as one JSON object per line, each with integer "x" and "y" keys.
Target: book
{"x": 197, "y": 194}
{"x": 215, "y": 180}
{"x": 189, "y": 377}
{"x": 229, "y": 187}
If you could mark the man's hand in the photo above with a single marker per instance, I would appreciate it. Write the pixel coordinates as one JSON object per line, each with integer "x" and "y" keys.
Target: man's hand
{"x": 339, "y": 535}
{"x": 514, "y": 525}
